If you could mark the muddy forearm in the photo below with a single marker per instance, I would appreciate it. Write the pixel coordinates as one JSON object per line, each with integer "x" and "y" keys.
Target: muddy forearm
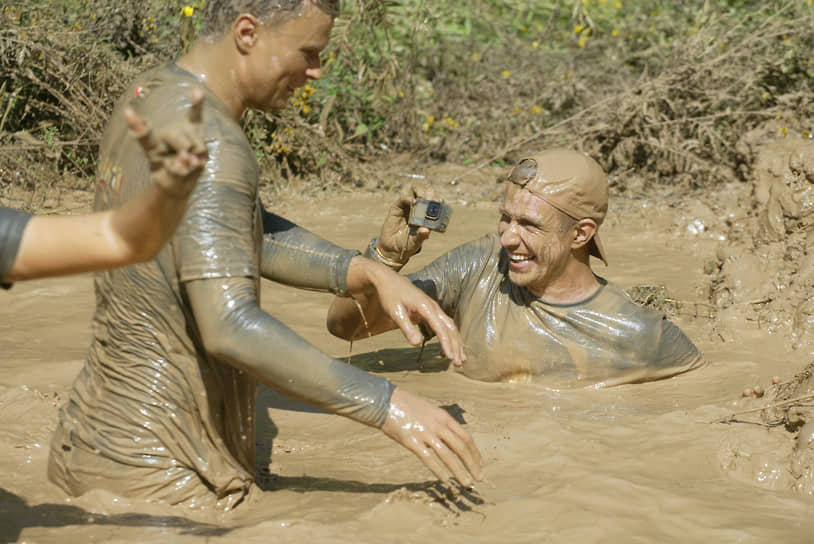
{"x": 235, "y": 329}
{"x": 361, "y": 315}
{"x": 144, "y": 224}
{"x": 294, "y": 256}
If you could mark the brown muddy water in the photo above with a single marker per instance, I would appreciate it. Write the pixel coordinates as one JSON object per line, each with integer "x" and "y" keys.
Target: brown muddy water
{"x": 636, "y": 463}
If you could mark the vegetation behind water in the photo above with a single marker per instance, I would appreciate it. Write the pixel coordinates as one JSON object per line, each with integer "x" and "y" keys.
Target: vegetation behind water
{"x": 658, "y": 90}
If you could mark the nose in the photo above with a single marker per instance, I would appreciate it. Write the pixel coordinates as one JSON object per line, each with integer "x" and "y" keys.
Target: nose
{"x": 510, "y": 237}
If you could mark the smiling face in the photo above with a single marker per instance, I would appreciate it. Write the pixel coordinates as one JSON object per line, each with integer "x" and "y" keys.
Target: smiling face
{"x": 284, "y": 57}
{"x": 536, "y": 237}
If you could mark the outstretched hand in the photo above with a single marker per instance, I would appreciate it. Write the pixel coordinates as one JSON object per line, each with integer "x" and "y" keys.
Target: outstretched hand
{"x": 399, "y": 241}
{"x": 434, "y": 437}
{"x": 177, "y": 153}
{"x": 405, "y": 304}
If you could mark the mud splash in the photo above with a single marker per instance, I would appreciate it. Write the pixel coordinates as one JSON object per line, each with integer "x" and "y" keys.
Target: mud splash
{"x": 631, "y": 462}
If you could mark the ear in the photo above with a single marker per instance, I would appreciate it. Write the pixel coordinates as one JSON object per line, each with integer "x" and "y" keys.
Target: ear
{"x": 583, "y": 231}
{"x": 245, "y": 32}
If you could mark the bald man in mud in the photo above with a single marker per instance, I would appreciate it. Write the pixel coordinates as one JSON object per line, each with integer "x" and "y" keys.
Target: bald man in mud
{"x": 526, "y": 300}
{"x": 164, "y": 406}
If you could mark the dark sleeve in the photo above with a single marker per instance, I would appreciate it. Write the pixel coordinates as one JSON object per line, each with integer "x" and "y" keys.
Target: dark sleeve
{"x": 295, "y": 256}
{"x": 451, "y": 274}
{"x": 235, "y": 329}
{"x": 12, "y": 226}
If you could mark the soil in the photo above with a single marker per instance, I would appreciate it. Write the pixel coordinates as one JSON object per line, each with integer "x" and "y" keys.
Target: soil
{"x": 636, "y": 462}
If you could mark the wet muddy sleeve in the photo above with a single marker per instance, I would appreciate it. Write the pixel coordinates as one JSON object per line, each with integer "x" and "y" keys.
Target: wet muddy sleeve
{"x": 450, "y": 275}
{"x": 12, "y": 226}
{"x": 216, "y": 238}
{"x": 295, "y": 256}
{"x": 675, "y": 349}
{"x": 233, "y": 328}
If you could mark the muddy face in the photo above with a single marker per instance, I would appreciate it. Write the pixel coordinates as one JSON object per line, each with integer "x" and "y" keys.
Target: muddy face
{"x": 531, "y": 233}
{"x": 282, "y": 58}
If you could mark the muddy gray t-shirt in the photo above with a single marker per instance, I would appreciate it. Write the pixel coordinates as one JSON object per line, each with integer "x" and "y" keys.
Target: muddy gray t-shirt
{"x": 512, "y": 335}
{"x": 12, "y": 226}
{"x": 152, "y": 414}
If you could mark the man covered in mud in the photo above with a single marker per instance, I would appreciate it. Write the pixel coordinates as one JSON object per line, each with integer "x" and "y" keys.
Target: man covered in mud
{"x": 526, "y": 299}
{"x": 164, "y": 406}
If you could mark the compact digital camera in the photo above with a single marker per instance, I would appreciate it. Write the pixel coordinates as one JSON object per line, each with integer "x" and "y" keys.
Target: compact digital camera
{"x": 431, "y": 214}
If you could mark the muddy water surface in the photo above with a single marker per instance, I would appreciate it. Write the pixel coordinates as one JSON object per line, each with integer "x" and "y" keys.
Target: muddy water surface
{"x": 631, "y": 463}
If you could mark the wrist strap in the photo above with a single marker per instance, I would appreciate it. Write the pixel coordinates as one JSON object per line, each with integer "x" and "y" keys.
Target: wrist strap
{"x": 373, "y": 254}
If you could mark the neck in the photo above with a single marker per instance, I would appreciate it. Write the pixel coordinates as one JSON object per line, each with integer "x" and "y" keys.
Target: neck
{"x": 575, "y": 283}
{"x": 205, "y": 60}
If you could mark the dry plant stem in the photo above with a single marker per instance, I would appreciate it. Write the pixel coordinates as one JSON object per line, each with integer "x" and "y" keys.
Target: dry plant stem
{"x": 534, "y": 136}
{"x": 730, "y": 417}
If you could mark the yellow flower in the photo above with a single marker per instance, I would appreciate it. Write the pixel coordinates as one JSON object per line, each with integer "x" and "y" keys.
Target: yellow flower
{"x": 578, "y": 29}
{"x": 784, "y": 131}
{"x": 615, "y": 31}
{"x": 506, "y": 74}
{"x": 306, "y": 109}
{"x": 401, "y": 94}
{"x": 766, "y": 95}
{"x": 581, "y": 42}
{"x": 475, "y": 56}
{"x": 188, "y": 11}
{"x": 535, "y": 44}
{"x": 536, "y": 110}
{"x": 617, "y": 4}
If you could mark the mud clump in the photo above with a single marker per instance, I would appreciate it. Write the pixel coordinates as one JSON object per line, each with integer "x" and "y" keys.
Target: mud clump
{"x": 764, "y": 269}
{"x": 777, "y": 449}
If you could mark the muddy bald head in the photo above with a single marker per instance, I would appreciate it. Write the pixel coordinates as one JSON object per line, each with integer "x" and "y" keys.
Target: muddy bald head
{"x": 570, "y": 181}
{"x": 218, "y": 15}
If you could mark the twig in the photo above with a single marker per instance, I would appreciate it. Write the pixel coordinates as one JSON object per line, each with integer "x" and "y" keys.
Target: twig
{"x": 730, "y": 417}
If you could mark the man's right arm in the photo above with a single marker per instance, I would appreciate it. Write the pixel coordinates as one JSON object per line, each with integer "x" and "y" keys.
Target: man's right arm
{"x": 233, "y": 328}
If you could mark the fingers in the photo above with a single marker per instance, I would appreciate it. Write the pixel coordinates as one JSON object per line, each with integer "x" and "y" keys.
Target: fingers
{"x": 142, "y": 132}
{"x": 177, "y": 138}
{"x": 434, "y": 437}
{"x": 195, "y": 113}
{"x": 464, "y": 446}
{"x": 410, "y": 330}
{"x": 445, "y": 330}
{"x": 451, "y": 458}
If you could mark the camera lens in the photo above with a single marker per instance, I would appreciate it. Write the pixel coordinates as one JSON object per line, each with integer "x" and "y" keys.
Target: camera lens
{"x": 433, "y": 210}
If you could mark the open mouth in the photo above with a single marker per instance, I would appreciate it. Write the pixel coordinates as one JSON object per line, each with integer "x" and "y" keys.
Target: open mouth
{"x": 520, "y": 260}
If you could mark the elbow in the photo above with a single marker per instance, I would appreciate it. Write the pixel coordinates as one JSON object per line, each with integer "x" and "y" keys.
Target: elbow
{"x": 337, "y": 325}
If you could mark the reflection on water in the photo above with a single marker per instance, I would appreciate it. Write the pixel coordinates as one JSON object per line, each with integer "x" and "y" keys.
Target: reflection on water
{"x": 631, "y": 463}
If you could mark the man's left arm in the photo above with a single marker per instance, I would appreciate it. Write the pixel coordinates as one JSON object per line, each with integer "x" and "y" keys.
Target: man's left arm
{"x": 294, "y": 256}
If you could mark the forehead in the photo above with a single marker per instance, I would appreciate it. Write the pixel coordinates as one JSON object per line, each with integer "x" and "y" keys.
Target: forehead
{"x": 310, "y": 27}
{"x": 518, "y": 202}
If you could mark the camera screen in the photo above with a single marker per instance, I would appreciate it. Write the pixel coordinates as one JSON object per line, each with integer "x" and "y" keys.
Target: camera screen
{"x": 433, "y": 210}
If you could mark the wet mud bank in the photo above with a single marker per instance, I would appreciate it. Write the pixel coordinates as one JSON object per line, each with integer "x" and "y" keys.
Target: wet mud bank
{"x": 649, "y": 461}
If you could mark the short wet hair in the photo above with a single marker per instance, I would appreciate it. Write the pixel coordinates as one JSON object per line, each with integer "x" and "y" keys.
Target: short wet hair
{"x": 218, "y": 15}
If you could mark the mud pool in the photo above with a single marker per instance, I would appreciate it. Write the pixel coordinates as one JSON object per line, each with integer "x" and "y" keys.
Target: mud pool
{"x": 629, "y": 463}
